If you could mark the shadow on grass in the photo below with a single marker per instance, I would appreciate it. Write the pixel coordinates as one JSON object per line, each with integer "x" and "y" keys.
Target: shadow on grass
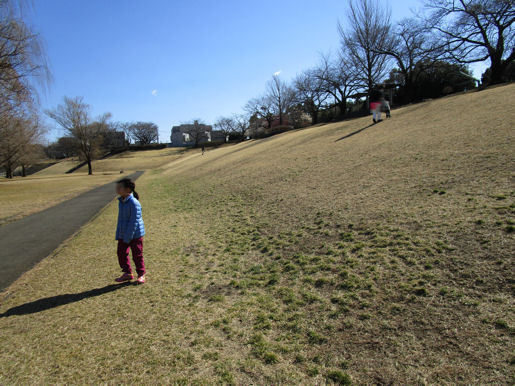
{"x": 354, "y": 132}
{"x": 60, "y": 300}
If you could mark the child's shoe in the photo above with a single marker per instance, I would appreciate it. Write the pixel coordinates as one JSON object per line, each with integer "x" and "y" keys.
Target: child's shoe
{"x": 141, "y": 279}
{"x": 124, "y": 277}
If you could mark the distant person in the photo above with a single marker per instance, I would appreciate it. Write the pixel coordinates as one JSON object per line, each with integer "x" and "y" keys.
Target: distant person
{"x": 385, "y": 107}
{"x": 203, "y": 149}
{"x": 129, "y": 231}
{"x": 376, "y": 97}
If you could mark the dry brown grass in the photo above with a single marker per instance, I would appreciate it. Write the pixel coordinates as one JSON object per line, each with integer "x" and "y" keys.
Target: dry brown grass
{"x": 385, "y": 257}
{"x": 137, "y": 160}
{"x": 20, "y": 197}
{"x": 59, "y": 168}
{"x": 23, "y": 196}
{"x": 126, "y": 161}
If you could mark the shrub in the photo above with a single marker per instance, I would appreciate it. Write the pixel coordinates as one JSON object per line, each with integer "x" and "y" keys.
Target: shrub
{"x": 316, "y": 338}
{"x": 270, "y": 358}
{"x": 216, "y": 298}
{"x": 420, "y": 291}
{"x": 321, "y": 282}
{"x": 339, "y": 377}
{"x": 499, "y": 323}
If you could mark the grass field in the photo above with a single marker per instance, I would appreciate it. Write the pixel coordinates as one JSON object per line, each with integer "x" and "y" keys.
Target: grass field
{"x": 59, "y": 168}
{"x": 126, "y": 161}
{"x": 344, "y": 253}
{"x": 136, "y": 160}
{"x": 23, "y": 196}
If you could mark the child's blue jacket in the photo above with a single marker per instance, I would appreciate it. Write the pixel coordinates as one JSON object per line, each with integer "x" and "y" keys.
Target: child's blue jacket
{"x": 130, "y": 221}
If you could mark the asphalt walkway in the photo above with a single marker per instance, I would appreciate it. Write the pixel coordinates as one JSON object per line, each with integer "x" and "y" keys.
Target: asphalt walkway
{"x": 25, "y": 242}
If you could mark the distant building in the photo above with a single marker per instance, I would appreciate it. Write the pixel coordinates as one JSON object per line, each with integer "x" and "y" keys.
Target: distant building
{"x": 217, "y": 136}
{"x": 114, "y": 140}
{"x": 181, "y": 135}
{"x": 259, "y": 126}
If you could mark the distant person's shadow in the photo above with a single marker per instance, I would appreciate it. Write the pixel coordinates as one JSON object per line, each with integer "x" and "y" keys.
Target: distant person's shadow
{"x": 354, "y": 132}
{"x": 60, "y": 300}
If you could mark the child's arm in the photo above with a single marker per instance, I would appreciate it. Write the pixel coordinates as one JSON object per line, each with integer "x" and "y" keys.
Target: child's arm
{"x": 132, "y": 224}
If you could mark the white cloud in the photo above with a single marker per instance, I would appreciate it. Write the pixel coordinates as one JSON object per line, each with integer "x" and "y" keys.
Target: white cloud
{"x": 277, "y": 73}
{"x": 154, "y": 92}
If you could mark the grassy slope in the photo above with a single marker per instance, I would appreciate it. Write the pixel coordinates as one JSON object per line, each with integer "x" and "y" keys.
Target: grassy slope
{"x": 386, "y": 255}
{"x": 59, "y": 168}
{"x": 127, "y": 161}
{"x": 23, "y": 196}
{"x": 20, "y": 197}
{"x": 136, "y": 160}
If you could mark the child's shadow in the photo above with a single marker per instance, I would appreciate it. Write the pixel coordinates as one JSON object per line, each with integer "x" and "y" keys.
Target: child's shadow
{"x": 60, "y": 300}
{"x": 354, "y": 132}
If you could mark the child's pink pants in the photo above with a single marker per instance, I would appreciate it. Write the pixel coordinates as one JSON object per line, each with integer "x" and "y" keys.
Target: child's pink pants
{"x": 136, "y": 246}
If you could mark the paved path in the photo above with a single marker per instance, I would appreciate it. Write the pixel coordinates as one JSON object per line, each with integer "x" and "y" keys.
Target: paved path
{"x": 25, "y": 242}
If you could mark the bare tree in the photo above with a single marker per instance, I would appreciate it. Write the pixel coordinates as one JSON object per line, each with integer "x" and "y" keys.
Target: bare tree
{"x": 125, "y": 127}
{"x": 242, "y": 124}
{"x": 476, "y": 30}
{"x": 17, "y": 135}
{"x": 261, "y": 108}
{"x": 280, "y": 96}
{"x": 30, "y": 155}
{"x": 369, "y": 27}
{"x": 339, "y": 79}
{"x": 23, "y": 68}
{"x": 11, "y": 145}
{"x": 412, "y": 45}
{"x": 310, "y": 92}
{"x": 197, "y": 131}
{"x": 74, "y": 117}
{"x": 227, "y": 125}
{"x": 144, "y": 133}
{"x": 297, "y": 116}
{"x": 64, "y": 147}
{"x": 23, "y": 64}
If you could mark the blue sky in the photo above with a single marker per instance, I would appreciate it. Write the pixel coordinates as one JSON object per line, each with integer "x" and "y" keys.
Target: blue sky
{"x": 170, "y": 61}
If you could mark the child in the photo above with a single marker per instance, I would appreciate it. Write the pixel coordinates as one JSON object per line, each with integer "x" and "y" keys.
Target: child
{"x": 375, "y": 105}
{"x": 385, "y": 108}
{"x": 129, "y": 231}
{"x": 375, "y": 109}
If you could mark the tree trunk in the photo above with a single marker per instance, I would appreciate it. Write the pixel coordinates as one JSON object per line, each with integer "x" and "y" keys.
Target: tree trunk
{"x": 409, "y": 90}
{"x": 23, "y": 172}
{"x": 407, "y": 87}
{"x": 90, "y": 169}
{"x": 314, "y": 117}
{"x": 8, "y": 171}
{"x": 370, "y": 88}
{"x": 342, "y": 106}
{"x": 496, "y": 71}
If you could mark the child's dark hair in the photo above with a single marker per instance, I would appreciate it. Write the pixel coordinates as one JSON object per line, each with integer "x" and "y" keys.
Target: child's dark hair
{"x": 129, "y": 184}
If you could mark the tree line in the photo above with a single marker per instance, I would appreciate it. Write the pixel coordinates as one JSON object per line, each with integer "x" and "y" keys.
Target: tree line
{"x": 424, "y": 56}
{"x": 90, "y": 138}
{"x": 23, "y": 71}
